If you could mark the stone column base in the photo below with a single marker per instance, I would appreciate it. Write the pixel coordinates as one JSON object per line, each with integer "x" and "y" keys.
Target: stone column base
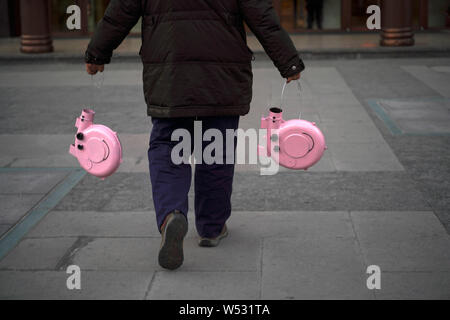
{"x": 36, "y": 44}
{"x": 396, "y": 37}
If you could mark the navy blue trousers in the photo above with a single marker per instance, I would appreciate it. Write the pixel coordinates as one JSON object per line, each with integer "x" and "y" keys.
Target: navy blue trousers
{"x": 171, "y": 182}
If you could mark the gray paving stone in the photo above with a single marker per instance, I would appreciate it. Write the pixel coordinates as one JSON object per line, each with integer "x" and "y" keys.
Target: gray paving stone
{"x": 287, "y": 224}
{"x": 129, "y": 199}
{"x": 248, "y": 224}
{"x": 326, "y": 164}
{"x": 438, "y": 81}
{"x": 403, "y": 241}
{"x": 445, "y": 69}
{"x": 337, "y": 101}
{"x": 134, "y": 164}
{"x": 47, "y": 161}
{"x": 419, "y": 116}
{"x": 363, "y": 156}
{"x": 204, "y": 286}
{"x": 383, "y": 79}
{"x": 96, "y": 224}
{"x": 29, "y": 181}
{"x": 425, "y": 127}
{"x": 51, "y": 285}
{"x": 326, "y": 192}
{"x": 15, "y": 206}
{"x": 348, "y": 113}
{"x": 119, "y": 192}
{"x": 325, "y": 80}
{"x": 425, "y": 108}
{"x": 118, "y": 254}
{"x": 328, "y": 267}
{"x": 40, "y": 103}
{"x": 426, "y": 158}
{"x": 414, "y": 285}
{"x": 6, "y": 160}
{"x": 140, "y": 254}
{"x": 37, "y": 146}
{"x": 239, "y": 252}
{"x": 4, "y": 228}
{"x": 352, "y": 132}
{"x": 444, "y": 218}
{"x": 37, "y": 254}
{"x": 45, "y": 151}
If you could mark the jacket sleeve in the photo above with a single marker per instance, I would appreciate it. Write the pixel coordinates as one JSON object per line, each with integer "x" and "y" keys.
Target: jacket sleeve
{"x": 119, "y": 18}
{"x": 262, "y": 19}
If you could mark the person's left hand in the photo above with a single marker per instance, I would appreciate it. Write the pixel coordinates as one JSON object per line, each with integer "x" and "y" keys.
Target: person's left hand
{"x": 94, "y": 68}
{"x": 294, "y": 77}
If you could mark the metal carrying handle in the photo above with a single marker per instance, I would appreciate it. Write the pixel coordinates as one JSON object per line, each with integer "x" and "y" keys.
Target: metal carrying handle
{"x": 99, "y": 83}
{"x": 299, "y": 87}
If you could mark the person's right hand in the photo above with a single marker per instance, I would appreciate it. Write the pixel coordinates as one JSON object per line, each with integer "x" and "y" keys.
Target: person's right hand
{"x": 294, "y": 77}
{"x": 94, "y": 68}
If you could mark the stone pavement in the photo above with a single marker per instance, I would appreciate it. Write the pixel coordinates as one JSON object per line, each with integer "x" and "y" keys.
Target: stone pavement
{"x": 380, "y": 196}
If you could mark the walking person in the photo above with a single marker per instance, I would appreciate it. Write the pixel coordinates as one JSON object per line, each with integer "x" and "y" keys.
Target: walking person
{"x": 315, "y": 10}
{"x": 196, "y": 66}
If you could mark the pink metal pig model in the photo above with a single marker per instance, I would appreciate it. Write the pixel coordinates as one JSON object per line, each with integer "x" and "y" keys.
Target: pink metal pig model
{"x": 295, "y": 144}
{"x": 96, "y": 146}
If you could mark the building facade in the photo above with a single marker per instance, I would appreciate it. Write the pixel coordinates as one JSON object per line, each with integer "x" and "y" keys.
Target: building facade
{"x": 337, "y": 15}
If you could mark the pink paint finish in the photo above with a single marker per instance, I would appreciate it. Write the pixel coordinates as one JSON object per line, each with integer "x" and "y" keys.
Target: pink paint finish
{"x": 96, "y": 146}
{"x": 295, "y": 144}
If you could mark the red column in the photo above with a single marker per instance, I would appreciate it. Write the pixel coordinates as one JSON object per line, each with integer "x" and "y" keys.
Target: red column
{"x": 396, "y": 23}
{"x": 35, "y": 24}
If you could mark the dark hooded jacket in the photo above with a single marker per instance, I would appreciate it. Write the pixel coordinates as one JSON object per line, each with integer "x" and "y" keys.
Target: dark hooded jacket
{"x": 195, "y": 54}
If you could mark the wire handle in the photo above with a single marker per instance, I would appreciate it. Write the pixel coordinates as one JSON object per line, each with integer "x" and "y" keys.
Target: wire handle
{"x": 299, "y": 87}
{"x": 284, "y": 87}
{"x": 99, "y": 83}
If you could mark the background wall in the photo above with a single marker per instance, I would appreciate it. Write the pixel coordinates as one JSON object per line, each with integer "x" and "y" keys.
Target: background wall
{"x": 436, "y": 13}
{"x": 4, "y": 19}
{"x": 331, "y": 14}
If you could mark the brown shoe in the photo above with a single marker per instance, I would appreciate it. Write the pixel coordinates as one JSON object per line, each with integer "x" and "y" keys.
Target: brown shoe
{"x": 173, "y": 231}
{"x": 213, "y": 242}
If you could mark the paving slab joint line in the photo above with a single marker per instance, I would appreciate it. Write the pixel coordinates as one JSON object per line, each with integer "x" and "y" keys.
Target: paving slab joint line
{"x": 9, "y": 164}
{"x": 67, "y": 259}
{"x": 383, "y": 116}
{"x": 360, "y": 251}
{"x": 376, "y": 105}
{"x": 39, "y": 211}
{"x": 260, "y": 273}
{"x": 150, "y": 284}
{"x": 356, "y": 239}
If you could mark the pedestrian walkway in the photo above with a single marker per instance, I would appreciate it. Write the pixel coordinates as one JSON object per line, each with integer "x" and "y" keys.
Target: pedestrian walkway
{"x": 310, "y": 45}
{"x": 377, "y": 197}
